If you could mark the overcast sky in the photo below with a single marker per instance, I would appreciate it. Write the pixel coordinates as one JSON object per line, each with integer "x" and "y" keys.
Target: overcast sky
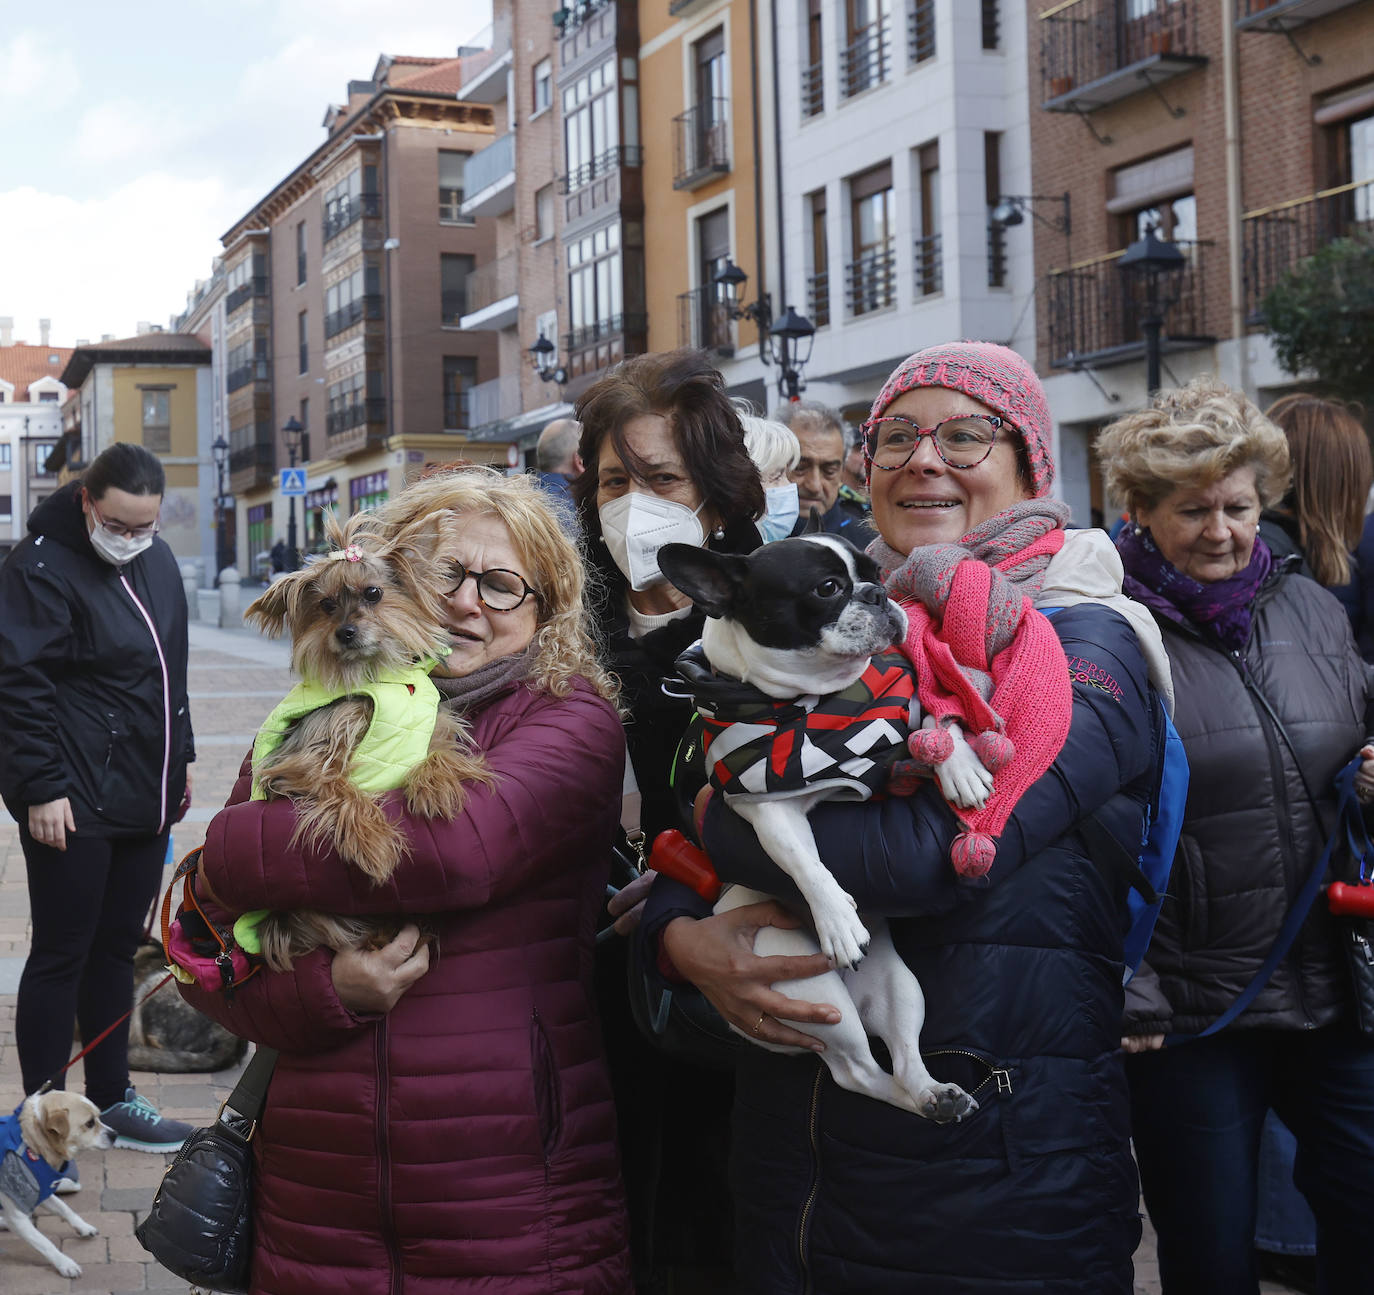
{"x": 133, "y": 135}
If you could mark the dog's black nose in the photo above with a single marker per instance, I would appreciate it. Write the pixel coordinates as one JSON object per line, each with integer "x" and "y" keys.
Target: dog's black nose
{"x": 874, "y": 595}
{"x": 346, "y": 634}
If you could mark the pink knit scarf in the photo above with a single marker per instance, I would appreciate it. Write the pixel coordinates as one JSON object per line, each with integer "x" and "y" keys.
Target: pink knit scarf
{"x": 984, "y": 657}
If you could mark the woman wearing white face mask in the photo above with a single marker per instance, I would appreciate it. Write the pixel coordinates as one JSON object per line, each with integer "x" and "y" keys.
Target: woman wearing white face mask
{"x": 94, "y": 765}
{"x": 775, "y": 451}
{"x": 665, "y": 463}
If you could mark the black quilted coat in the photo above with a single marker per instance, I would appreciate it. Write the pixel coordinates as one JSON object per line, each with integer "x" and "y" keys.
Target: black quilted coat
{"x": 1252, "y": 832}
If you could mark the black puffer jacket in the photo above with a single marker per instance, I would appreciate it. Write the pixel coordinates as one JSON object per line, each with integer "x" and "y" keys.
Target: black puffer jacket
{"x": 1251, "y": 834}
{"x": 1035, "y": 1193}
{"x": 92, "y": 678}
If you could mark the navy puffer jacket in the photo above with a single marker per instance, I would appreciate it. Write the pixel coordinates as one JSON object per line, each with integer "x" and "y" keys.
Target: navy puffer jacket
{"x": 1036, "y": 1191}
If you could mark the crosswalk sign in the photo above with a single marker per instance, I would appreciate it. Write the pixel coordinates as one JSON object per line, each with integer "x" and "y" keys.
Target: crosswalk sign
{"x": 293, "y": 481}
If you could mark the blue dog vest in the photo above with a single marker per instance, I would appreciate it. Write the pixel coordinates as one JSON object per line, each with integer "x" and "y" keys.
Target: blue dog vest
{"x": 25, "y": 1177}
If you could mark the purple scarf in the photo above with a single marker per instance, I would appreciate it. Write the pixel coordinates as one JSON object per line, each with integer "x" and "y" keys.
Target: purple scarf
{"x": 1223, "y": 609}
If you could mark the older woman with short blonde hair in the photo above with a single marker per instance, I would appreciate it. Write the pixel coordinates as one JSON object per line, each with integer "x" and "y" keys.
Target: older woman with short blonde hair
{"x": 440, "y": 1116}
{"x": 1272, "y": 700}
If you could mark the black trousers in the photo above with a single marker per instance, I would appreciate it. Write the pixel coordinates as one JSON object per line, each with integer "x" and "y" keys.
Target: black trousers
{"x": 88, "y": 906}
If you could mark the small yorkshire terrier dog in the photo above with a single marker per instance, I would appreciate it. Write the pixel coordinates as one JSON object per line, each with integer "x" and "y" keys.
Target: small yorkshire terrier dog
{"x": 366, "y": 623}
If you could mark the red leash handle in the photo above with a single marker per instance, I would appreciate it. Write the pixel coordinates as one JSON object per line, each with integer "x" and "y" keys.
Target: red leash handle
{"x": 1350, "y": 901}
{"x": 676, "y": 857}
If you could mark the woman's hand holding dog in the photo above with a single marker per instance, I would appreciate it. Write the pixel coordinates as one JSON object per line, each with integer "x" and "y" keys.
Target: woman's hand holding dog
{"x": 717, "y": 955}
{"x": 373, "y": 980}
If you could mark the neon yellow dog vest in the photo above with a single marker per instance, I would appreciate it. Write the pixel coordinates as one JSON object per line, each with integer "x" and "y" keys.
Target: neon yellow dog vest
{"x": 405, "y": 705}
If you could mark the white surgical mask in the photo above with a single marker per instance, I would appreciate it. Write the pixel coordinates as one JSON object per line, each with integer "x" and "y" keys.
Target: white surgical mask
{"x": 118, "y": 549}
{"x": 781, "y": 510}
{"x": 636, "y": 526}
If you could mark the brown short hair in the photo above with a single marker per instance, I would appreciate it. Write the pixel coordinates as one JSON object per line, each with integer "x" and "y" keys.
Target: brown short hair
{"x": 684, "y": 388}
{"x": 1189, "y": 438}
{"x": 1332, "y": 471}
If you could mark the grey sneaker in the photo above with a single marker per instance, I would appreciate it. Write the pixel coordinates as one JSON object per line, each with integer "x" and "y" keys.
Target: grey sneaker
{"x": 136, "y": 1124}
{"x": 70, "y": 1182}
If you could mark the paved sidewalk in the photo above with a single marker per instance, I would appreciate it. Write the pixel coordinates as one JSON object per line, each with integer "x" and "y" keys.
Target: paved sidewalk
{"x": 235, "y": 679}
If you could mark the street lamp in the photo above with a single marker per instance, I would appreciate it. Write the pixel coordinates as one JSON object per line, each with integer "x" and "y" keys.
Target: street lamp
{"x": 220, "y": 449}
{"x": 291, "y": 434}
{"x": 785, "y": 341}
{"x": 1156, "y": 264}
{"x": 543, "y": 352}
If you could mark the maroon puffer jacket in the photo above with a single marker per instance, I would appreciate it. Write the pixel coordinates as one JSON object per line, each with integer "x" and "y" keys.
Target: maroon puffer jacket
{"x": 466, "y": 1141}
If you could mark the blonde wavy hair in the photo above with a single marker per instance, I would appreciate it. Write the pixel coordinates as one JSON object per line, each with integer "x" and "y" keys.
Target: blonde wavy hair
{"x": 436, "y": 507}
{"x": 1189, "y": 439}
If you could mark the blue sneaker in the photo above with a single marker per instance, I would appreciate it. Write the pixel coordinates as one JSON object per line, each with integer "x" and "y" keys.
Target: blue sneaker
{"x": 70, "y": 1182}
{"x": 136, "y": 1125}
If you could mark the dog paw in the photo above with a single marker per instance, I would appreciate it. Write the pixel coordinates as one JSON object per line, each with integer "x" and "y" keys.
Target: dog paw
{"x": 67, "y": 1266}
{"x": 945, "y": 1103}
{"x": 84, "y": 1229}
{"x": 843, "y": 937}
{"x": 964, "y": 781}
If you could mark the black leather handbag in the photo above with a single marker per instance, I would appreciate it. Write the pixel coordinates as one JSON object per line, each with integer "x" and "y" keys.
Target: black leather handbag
{"x": 200, "y": 1226}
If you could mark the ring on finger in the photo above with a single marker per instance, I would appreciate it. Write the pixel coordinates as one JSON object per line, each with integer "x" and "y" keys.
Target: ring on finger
{"x": 758, "y": 1025}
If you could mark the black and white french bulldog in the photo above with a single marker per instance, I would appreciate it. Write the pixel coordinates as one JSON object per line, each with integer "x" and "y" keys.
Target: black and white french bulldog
{"x": 805, "y": 621}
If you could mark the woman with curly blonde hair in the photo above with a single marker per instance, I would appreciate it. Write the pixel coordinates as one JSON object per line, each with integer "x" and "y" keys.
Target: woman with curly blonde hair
{"x": 1272, "y": 699}
{"x": 440, "y": 1116}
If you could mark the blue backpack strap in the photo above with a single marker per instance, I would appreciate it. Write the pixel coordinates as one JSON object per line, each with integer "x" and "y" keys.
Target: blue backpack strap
{"x": 1349, "y": 829}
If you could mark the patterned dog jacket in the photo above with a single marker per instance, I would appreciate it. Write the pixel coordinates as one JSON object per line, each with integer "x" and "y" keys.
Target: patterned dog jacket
{"x": 757, "y": 745}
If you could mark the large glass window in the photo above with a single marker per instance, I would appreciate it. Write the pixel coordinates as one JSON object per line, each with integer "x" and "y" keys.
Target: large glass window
{"x": 928, "y": 264}
{"x": 871, "y": 278}
{"x": 454, "y": 268}
{"x": 157, "y": 419}
{"x": 351, "y": 298}
{"x": 351, "y": 198}
{"x": 818, "y": 298}
{"x": 591, "y": 124}
{"x": 543, "y": 84}
{"x": 460, "y": 376}
{"x": 594, "y": 281}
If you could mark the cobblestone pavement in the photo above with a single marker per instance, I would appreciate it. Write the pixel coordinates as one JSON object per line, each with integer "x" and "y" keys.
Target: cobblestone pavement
{"x": 235, "y": 679}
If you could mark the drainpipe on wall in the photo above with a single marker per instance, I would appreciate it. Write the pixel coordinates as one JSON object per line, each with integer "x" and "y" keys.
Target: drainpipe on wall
{"x": 762, "y": 277}
{"x": 777, "y": 155}
{"x": 1235, "y": 249}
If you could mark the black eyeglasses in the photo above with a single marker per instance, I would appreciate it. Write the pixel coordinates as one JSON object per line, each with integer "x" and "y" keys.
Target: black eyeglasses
{"x": 962, "y": 442}
{"x": 499, "y": 590}
{"x": 121, "y": 531}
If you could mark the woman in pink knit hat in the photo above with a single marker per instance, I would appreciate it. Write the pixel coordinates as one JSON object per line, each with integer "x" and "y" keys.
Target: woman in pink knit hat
{"x": 1013, "y": 931}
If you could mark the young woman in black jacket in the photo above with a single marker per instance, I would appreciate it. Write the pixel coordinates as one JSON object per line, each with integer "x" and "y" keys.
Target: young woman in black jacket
{"x": 94, "y": 766}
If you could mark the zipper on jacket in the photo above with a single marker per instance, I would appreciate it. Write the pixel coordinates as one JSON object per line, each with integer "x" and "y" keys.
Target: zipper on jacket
{"x": 166, "y": 701}
{"x": 804, "y": 1220}
{"x": 388, "y": 1224}
{"x": 999, "y": 1075}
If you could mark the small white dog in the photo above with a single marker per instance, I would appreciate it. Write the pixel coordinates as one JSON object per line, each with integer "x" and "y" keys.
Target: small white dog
{"x": 800, "y": 621}
{"x": 37, "y": 1142}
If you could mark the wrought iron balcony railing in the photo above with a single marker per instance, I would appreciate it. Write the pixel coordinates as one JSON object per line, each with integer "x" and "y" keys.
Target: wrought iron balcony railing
{"x": 241, "y": 375}
{"x": 704, "y": 321}
{"x": 1095, "y": 310}
{"x": 602, "y": 164}
{"x": 701, "y": 143}
{"x": 346, "y": 211}
{"x": 813, "y": 89}
{"x": 614, "y": 326}
{"x": 818, "y": 298}
{"x": 355, "y": 414}
{"x": 929, "y": 266}
{"x": 920, "y": 30}
{"x": 1284, "y": 15}
{"x": 1274, "y": 239}
{"x": 867, "y": 61}
{"x": 872, "y": 280}
{"x": 258, "y": 455}
{"x": 1094, "y": 52}
{"x": 255, "y": 287}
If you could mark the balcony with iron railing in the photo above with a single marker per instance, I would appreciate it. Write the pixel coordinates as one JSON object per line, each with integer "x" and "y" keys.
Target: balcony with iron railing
{"x": 365, "y": 307}
{"x": 1093, "y": 53}
{"x": 602, "y": 164}
{"x": 871, "y": 280}
{"x": 358, "y": 413}
{"x": 813, "y": 89}
{"x": 612, "y": 326}
{"x": 920, "y": 30}
{"x": 1095, "y": 310}
{"x": 818, "y": 298}
{"x": 346, "y": 211}
{"x": 245, "y": 292}
{"x": 493, "y": 294}
{"x": 867, "y": 60}
{"x": 703, "y": 321}
{"x": 928, "y": 266}
{"x": 259, "y": 370}
{"x": 1274, "y": 239}
{"x": 489, "y": 178}
{"x": 252, "y": 457}
{"x": 701, "y": 144}
{"x": 1284, "y": 15}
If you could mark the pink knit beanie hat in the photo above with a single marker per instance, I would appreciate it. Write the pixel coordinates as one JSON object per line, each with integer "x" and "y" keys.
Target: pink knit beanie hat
{"x": 994, "y": 375}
